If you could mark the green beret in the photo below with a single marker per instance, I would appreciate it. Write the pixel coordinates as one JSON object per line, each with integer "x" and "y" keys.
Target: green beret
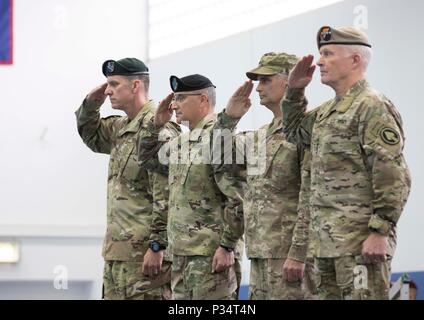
{"x": 190, "y": 83}
{"x": 124, "y": 67}
{"x": 343, "y": 35}
{"x": 272, "y": 63}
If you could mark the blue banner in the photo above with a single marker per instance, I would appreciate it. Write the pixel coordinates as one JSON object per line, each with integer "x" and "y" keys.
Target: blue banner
{"x": 6, "y": 38}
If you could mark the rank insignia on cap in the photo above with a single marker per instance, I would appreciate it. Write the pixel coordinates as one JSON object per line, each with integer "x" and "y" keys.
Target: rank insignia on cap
{"x": 325, "y": 34}
{"x": 110, "y": 66}
{"x": 174, "y": 84}
{"x": 189, "y": 83}
{"x": 389, "y": 136}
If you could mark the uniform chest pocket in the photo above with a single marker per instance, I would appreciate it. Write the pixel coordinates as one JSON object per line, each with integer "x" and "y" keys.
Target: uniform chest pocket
{"x": 196, "y": 160}
{"x": 113, "y": 165}
{"x": 132, "y": 171}
{"x": 343, "y": 156}
{"x": 337, "y": 129}
{"x": 339, "y": 124}
{"x": 340, "y": 147}
{"x": 272, "y": 150}
{"x": 283, "y": 163}
{"x": 128, "y": 161}
{"x": 184, "y": 170}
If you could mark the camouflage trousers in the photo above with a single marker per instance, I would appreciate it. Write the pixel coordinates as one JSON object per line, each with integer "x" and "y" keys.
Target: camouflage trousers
{"x": 192, "y": 279}
{"x": 349, "y": 278}
{"x": 125, "y": 281}
{"x": 266, "y": 282}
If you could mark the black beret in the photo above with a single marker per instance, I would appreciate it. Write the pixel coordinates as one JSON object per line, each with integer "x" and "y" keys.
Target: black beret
{"x": 189, "y": 83}
{"x": 124, "y": 67}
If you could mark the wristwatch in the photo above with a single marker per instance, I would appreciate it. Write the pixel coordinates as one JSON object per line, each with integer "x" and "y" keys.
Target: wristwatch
{"x": 227, "y": 248}
{"x": 156, "y": 247}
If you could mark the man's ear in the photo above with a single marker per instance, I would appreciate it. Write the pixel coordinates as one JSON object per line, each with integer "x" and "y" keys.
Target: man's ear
{"x": 204, "y": 101}
{"x": 137, "y": 85}
{"x": 204, "y": 98}
{"x": 357, "y": 59}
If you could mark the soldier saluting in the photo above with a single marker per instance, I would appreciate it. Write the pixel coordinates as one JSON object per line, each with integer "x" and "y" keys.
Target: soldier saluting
{"x": 359, "y": 180}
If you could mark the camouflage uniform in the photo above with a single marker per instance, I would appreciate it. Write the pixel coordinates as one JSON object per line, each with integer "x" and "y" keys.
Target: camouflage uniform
{"x": 204, "y": 210}
{"x": 270, "y": 207}
{"x": 359, "y": 182}
{"x": 125, "y": 280}
{"x": 136, "y": 206}
{"x": 303, "y": 234}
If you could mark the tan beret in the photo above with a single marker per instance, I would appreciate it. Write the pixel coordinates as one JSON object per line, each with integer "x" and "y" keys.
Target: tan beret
{"x": 343, "y": 35}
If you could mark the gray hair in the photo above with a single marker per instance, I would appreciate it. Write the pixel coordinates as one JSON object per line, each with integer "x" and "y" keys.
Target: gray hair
{"x": 211, "y": 93}
{"x": 364, "y": 51}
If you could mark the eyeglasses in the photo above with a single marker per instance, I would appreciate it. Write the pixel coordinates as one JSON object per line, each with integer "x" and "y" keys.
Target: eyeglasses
{"x": 181, "y": 97}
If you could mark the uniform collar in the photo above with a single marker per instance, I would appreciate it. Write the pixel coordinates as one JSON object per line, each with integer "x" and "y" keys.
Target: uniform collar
{"x": 341, "y": 105}
{"x": 134, "y": 125}
{"x": 208, "y": 121}
{"x": 275, "y": 125}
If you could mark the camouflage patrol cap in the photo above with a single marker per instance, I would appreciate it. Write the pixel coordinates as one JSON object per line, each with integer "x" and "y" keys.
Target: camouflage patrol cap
{"x": 343, "y": 35}
{"x": 190, "y": 83}
{"x": 272, "y": 63}
{"x": 124, "y": 67}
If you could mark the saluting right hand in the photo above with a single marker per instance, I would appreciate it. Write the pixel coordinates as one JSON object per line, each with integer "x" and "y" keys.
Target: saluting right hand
{"x": 301, "y": 75}
{"x": 97, "y": 95}
{"x": 239, "y": 102}
{"x": 164, "y": 111}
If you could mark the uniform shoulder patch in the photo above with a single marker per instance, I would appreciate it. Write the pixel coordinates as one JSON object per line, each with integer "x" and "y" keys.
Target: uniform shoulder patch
{"x": 389, "y": 136}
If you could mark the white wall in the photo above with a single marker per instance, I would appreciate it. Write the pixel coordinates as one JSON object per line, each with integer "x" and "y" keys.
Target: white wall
{"x": 53, "y": 189}
{"x": 49, "y": 176}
